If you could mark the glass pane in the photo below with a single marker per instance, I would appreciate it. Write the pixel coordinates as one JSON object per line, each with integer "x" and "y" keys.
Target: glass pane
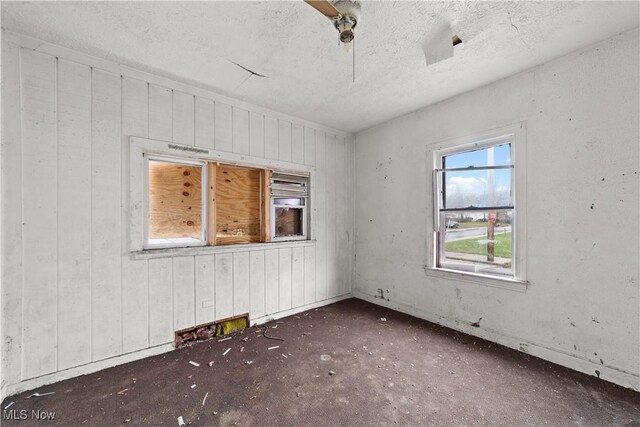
{"x": 288, "y": 222}
{"x": 479, "y": 241}
{"x": 175, "y": 203}
{"x": 483, "y": 157}
{"x": 289, "y": 202}
{"x": 483, "y": 188}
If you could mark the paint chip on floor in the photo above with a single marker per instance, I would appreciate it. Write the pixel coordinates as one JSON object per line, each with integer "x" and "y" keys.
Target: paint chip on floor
{"x": 194, "y": 363}
{"x": 274, "y": 347}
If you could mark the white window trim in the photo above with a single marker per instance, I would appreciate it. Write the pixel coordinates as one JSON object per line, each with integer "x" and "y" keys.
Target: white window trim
{"x": 516, "y": 134}
{"x": 138, "y": 186}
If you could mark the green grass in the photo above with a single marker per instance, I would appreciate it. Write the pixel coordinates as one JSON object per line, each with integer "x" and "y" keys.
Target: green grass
{"x": 473, "y": 246}
{"x": 472, "y": 224}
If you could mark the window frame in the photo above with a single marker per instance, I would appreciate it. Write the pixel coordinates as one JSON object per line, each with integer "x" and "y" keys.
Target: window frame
{"x": 137, "y": 196}
{"x": 514, "y": 134}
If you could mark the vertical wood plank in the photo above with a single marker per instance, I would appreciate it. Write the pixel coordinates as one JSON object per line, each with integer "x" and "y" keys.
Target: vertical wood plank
{"x": 309, "y": 274}
{"x": 204, "y": 123}
{"x": 271, "y": 138}
{"x": 284, "y": 140}
{"x": 135, "y": 281}
{"x": 106, "y": 226}
{"x": 297, "y": 145}
{"x": 297, "y": 276}
{"x": 183, "y": 293}
{"x": 319, "y": 204}
{"x": 284, "y": 266}
{"x": 272, "y": 280}
{"x": 330, "y": 203}
{"x": 265, "y": 230}
{"x": 223, "y": 127}
{"x": 256, "y": 134}
{"x": 211, "y": 218}
{"x": 160, "y": 301}
{"x": 342, "y": 215}
{"x": 241, "y": 283}
{"x": 12, "y": 247}
{"x": 183, "y": 118}
{"x": 40, "y": 213}
{"x": 224, "y": 285}
{"x": 240, "y": 131}
{"x": 257, "y": 276}
{"x": 205, "y": 274}
{"x": 309, "y": 146}
{"x": 74, "y": 220}
{"x": 160, "y": 113}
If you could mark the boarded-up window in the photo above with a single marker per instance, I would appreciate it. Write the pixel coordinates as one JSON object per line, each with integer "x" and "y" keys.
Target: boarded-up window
{"x": 175, "y": 203}
{"x": 237, "y": 200}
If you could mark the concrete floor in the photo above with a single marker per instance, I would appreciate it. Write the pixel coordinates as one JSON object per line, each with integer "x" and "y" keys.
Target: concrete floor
{"x": 338, "y": 365}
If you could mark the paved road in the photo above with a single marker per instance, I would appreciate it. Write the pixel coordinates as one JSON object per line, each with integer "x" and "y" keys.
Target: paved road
{"x": 467, "y": 233}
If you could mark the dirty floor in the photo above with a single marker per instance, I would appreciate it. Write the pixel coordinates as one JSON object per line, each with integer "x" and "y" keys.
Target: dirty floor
{"x": 338, "y": 365}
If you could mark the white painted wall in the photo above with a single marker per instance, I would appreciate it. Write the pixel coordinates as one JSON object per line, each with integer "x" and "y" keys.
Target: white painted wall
{"x": 582, "y": 306}
{"x": 74, "y": 300}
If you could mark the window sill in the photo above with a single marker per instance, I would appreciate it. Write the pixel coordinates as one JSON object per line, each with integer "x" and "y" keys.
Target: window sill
{"x": 496, "y": 282}
{"x": 210, "y": 250}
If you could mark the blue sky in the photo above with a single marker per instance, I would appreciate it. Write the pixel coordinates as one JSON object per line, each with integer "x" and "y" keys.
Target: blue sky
{"x": 470, "y": 187}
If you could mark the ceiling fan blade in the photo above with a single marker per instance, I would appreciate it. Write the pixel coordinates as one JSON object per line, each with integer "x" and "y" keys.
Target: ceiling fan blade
{"x": 325, "y": 7}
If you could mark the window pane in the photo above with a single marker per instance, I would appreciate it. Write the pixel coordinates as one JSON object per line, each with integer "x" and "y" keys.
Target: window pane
{"x": 478, "y": 241}
{"x": 288, "y": 221}
{"x": 482, "y": 157}
{"x": 477, "y": 188}
{"x": 175, "y": 203}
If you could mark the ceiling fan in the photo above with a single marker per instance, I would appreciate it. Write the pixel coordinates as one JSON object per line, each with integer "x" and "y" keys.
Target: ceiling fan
{"x": 437, "y": 45}
{"x": 344, "y": 14}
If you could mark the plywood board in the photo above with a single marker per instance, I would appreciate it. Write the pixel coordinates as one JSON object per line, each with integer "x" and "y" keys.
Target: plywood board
{"x": 175, "y": 200}
{"x": 237, "y": 205}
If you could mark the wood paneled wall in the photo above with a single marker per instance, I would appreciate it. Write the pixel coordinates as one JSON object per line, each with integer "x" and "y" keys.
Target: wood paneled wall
{"x": 72, "y": 294}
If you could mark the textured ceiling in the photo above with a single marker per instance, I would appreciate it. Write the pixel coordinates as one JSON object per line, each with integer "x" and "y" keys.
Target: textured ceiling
{"x": 309, "y": 76}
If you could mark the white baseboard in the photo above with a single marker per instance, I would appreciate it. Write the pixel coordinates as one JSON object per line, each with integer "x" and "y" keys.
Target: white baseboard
{"x": 554, "y": 355}
{"x": 90, "y": 368}
{"x": 77, "y": 371}
{"x": 285, "y": 313}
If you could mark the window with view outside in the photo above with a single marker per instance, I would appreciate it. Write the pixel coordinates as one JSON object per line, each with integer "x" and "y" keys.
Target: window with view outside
{"x": 476, "y": 211}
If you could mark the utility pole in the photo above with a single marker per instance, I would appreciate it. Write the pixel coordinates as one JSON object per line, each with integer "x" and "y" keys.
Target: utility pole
{"x": 491, "y": 200}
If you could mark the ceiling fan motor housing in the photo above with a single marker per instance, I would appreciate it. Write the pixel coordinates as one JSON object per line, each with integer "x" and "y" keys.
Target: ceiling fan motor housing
{"x": 349, "y": 15}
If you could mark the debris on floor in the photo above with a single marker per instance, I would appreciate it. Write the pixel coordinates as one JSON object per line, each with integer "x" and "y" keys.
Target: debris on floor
{"x": 180, "y": 421}
{"x": 227, "y": 351}
{"x": 384, "y": 319}
{"x": 211, "y": 363}
{"x": 205, "y": 398}
{"x": 123, "y": 391}
{"x": 40, "y": 394}
{"x": 196, "y": 364}
{"x": 274, "y": 347}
